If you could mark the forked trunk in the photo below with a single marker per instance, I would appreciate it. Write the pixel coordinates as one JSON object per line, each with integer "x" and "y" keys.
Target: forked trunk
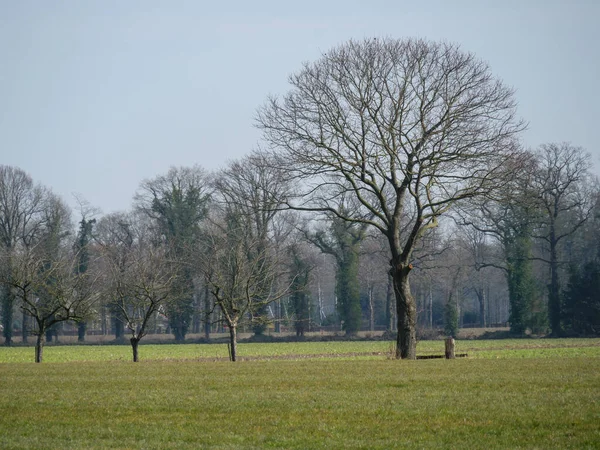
{"x": 39, "y": 347}
{"x": 406, "y": 341}
{"x": 232, "y": 342}
{"x": 134, "y": 347}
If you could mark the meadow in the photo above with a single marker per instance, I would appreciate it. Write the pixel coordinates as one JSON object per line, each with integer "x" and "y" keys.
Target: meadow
{"x": 524, "y": 393}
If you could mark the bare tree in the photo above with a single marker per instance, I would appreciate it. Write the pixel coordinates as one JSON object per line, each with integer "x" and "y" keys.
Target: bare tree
{"x": 479, "y": 255}
{"x": 44, "y": 277}
{"x": 139, "y": 279}
{"x": 243, "y": 276}
{"x": 561, "y": 185}
{"x": 406, "y": 127}
{"x": 254, "y": 190}
{"x": 113, "y": 232}
{"x": 21, "y": 203}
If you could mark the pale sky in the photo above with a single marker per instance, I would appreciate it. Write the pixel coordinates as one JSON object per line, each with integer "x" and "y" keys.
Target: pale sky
{"x": 97, "y": 95}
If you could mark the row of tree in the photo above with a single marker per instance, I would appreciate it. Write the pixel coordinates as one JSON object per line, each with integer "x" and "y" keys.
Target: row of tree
{"x": 397, "y": 159}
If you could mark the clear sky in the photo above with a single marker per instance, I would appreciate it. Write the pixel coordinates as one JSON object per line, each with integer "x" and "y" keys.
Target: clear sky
{"x": 97, "y": 95}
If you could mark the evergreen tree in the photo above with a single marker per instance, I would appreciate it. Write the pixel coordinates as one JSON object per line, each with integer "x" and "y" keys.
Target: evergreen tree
{"x": 300, "y": 294}
{"x": 450, "y": 318}
{"x": 581, "y": 300}
{"x": 519, "y": 274}
{"x": 342, "y": 241}
{"x": 178, "y": 203}
{"x": 82, "y": 252}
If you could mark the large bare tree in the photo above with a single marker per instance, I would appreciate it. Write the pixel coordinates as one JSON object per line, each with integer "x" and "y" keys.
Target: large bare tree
{"x": 407, "y": 127}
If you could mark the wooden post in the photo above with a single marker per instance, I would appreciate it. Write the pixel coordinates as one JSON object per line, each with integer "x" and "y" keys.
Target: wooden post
{"x": 449, "y": 347}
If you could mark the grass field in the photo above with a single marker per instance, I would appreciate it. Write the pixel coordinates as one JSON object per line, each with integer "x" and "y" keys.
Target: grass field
{"x": 506, "y": 394}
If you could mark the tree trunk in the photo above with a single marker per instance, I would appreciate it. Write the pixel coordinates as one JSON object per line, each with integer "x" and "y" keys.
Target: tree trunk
{"x": 81, "y": 329}
{"x": 24, "y": 328}
{"x": 482, "y": 312}
{"x": 39, "y": 347}
{"x": 430, "y": 308}
{"x": 406, "y": 342}
{"x": 554, "y": 289}
{"x": 233, "y": 342}
{"x": 8, "y": 301}
{"x": 449, "y": 344}
{"x": 207, "y": 321}
{"x": 389, "y": 307}
{"x": 278, "y": 316}
{"x": 103, "y": 327}
{"x": 119, "y": 329}
{"x": 371, "y": 310}
{"x": 134, "y": 347}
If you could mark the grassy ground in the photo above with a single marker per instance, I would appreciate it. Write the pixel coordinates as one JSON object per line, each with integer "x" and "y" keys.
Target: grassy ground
{"x": 507, "y": 394}
{"x": 509, "y": 348}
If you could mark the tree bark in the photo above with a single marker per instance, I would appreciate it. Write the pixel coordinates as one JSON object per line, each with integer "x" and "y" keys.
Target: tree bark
{"x": 371, "y": 310}
{"x": 119, "y": 329}
{"x": 8, "y": 301}
{"x": 134, "y": 347}
{"x": 39, "y": 347}
{"x": 232, "y": 342}
{"x": 482, "y": 311}
{"x": 207, "y": 321}
{"x": 554, "y": 287}
{"x": 406, "y": 308}
{"x": 278, "y": 316}
{"x": 81, "y": 329}
{"x": 430, "y": 308}
{"x": 449, "y": 344}
{"x": 389, "y": 307}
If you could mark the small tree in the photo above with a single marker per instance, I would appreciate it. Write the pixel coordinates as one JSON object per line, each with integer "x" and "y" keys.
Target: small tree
{"x": 50, "y": 290}
{"x": 140, "y": 284}
{"x": 114, "y": 232}
{"x": 242, "y": 274}
{"x": 254, "y": 191}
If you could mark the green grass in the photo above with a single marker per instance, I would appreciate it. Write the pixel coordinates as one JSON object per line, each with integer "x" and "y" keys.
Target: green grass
{"x": 507, "y": 394}
{"x": 512, "y": 348}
